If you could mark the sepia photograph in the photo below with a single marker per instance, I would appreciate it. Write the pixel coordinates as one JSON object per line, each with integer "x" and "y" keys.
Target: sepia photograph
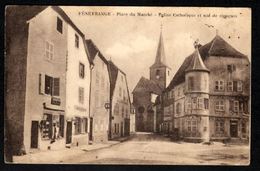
{"x": 127, "y": 85}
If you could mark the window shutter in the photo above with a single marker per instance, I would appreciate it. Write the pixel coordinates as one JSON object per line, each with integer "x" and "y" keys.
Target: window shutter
{"x": 41, "y": 83}
{"x": 234, "y": 85}
{"x": 56, "y": 86}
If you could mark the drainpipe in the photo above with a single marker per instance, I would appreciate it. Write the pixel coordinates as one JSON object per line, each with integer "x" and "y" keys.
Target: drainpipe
{"x": 90, "y": 85}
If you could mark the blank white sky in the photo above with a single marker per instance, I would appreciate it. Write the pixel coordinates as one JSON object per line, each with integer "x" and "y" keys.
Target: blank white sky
{"x": 131, "y": 42}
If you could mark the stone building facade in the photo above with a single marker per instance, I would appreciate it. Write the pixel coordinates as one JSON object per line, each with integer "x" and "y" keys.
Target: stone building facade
{"x": 119, "y": 103}
{"x": 54, "y": 69}
{"x": 100, "y": 93}
{"x": 212, "y": 93}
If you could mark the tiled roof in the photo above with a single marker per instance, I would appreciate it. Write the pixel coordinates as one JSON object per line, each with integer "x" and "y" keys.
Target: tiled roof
{"x": 147, "y": 85}
{"x": 196, "y": 62}
{"x": 113, "y": 73}
{"x": 93, "y": 50}
{"x": 217, "y": 47}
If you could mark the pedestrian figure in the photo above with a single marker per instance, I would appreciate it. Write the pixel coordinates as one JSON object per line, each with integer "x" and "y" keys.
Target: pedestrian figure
{"x": 54, "y": 133}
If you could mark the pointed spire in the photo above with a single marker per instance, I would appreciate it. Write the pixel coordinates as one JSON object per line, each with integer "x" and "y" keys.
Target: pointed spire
{"x": 160, "y": 55}
{"x": 196, "y": 62}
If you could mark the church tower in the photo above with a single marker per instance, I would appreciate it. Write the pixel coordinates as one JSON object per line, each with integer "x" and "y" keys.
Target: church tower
{"x": 159, "y": 71}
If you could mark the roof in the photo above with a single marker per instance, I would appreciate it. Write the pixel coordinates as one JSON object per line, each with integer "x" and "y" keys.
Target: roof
{"x": 113, "y": 73}
{"x": 196, "y": 63}
{"x": 147, "y": 85}
{"x": 160, "y": 59}
{"x": 217, "y": 47}
{"x": 66, "y": 18}
{"x": 93, "y": 50}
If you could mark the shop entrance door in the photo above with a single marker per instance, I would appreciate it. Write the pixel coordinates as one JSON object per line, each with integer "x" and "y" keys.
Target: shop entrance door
{"x": 91, "y": 129}
{"x": 34, "y": 134}
{"x": 68, "y": 132}
{"x": 233, "y": 129}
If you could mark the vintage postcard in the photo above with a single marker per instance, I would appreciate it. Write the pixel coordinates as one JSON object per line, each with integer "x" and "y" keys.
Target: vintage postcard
{"x": 127, "y": 85}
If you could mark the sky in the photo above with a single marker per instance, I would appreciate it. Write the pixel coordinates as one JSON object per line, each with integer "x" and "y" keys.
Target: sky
{"x": 131, "y": 41}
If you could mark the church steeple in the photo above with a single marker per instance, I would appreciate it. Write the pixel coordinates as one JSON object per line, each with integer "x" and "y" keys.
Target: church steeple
{"x": 160, "y": 54}
{"x": 159, "y": 71}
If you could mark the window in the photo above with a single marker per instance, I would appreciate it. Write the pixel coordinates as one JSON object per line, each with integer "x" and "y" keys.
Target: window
{"x": 49, "y": 50}
{"x": 243, "y": 127}
{"x": 81, "y": 70}
{"x": 200, "y": 103}
{"x": 52, "y": 86}
{"x": 231, "y": 68}
{"x": 85, "y": 125}
{"x": 59, "y": 25}
{"x": 219, "y": 85}
{"x": 48, "y": 84}
{"x": 76, "y": 41}
{"x": 168, "y": 73}
{"x": 192, "y": 125}
{"x": 230, "y": 85}
{"x": 77, "y": 125}
{"x": 194, "y": 103}
{"x": 220, "y": 126}
{"x": 219, "y": 105}
{"x": 157, "y": 74}
{"x": 236, "y": 106}
{"x": 97, "y": 78}
{"x": 56, "y": 86}
{"x": 189, "y": 125}
{"x": 190, "y": 83}
{"x": 179, "y": 91}
{"x": 102, "y": 82}
{"x": 239, "y": 86}
{"x": 206, "y": 103}
{"x": 81, "y": 95}
{"x": 123, "y": 111}
{"x": 178, "y": 108}
{"x": 120, "y": 91}
{"x": 189, "y": 103}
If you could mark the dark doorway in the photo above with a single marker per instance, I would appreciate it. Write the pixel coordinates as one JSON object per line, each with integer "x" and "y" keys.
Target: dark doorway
{"x": 91, "y": 129}
{"x": 68, "y": 132}
{"x": 34, "y": 134}
{"x": 233, "y": 129}
{"x": 122, "y": 129}
{"x": 127, "y": 127}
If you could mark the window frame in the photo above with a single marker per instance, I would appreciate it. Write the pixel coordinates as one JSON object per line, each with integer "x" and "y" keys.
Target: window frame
{"x": 76, "y": 41}
{"x": 219, "y": 106}
{"x": 239, "y": 86}
{"x": 59, "y": 25}
{"x": 236, "y": 106}
{"x": 49, "y": 54}
{"x": 81, "y": 70}
{"x": 200, "y": 103}
{"x": 219, "y": 85}
{"x": 230, "y": 86}
{"x": 81, "y": 95}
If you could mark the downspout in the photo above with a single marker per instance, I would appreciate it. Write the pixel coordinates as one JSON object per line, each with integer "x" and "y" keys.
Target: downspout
{"x": 90, "y": 85}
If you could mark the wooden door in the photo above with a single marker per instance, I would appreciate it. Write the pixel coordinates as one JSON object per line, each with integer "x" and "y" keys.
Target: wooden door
{"x": 69, "y": 132}
{"x": 34, "y": 134}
